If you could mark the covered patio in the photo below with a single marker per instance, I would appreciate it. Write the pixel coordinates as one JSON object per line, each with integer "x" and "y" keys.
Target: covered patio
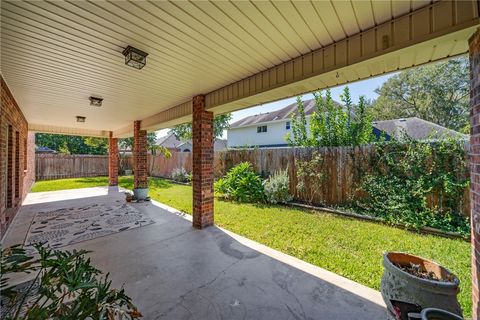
{"x": 67, "y": 69}
{"x": 174, "y": 272}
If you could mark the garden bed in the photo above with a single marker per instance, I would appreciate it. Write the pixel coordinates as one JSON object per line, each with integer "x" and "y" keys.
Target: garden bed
{"x": 426, "y": 230}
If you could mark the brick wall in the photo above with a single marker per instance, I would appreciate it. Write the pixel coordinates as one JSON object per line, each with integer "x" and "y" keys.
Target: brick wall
{"x": 140, "y": 156}
{"x": 475, "y": 166}
{"x": 112, "y": 160}
{"x": 202, "y": 130}
{"x": 29, "y": 163}
{"x": 17, "y": 170}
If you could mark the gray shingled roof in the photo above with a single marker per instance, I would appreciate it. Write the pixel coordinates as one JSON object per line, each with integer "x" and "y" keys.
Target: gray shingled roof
{"x": 168, "y": 141}
{"x": 415, "y": 128}
{"x": 281, "y": 114}
{"x": 171, "y": 141}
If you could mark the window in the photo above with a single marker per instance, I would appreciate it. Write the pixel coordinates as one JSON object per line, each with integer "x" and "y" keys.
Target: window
{"x": 287, "y": 125}
{"x": 261, "y": 129}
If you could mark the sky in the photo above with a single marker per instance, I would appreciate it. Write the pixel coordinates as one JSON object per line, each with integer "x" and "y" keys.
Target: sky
{"x": 357, "y": 89}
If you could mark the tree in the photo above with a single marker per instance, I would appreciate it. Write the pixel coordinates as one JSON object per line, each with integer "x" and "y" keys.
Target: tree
{"x": 332, "y": 124}
{"x": 97, "y": 143}
{"x": 438, "y": 93}
{"x": 72, "y": 144}
{"x": 220, "y": 123}
{"x": 127, "y": 143}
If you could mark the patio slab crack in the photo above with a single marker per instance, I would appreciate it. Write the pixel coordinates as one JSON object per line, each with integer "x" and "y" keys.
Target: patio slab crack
{"x": 183, "y": 296}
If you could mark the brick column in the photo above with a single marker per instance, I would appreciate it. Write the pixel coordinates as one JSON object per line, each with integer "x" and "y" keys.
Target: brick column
{"x": 475, "y": 166}
{"x": 202, "y": 131}
{"x": 140, "y": 176}
{"x": 112, "y": 160}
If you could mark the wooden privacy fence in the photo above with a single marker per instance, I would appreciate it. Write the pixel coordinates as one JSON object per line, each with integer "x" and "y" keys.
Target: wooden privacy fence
{"x": 159, "y": 166}
{"x": 343, "y": 168}
{"x": 59, "y": 166}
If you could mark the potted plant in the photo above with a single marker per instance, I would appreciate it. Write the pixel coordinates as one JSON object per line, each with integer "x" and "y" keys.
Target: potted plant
{"x": 64, "y": 285}
{"x": 418, "y": 281}
{"x": 141, "y": 191}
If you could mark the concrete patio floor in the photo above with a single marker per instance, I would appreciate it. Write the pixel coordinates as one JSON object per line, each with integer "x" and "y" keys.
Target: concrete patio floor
{"x": 173, "y": 271}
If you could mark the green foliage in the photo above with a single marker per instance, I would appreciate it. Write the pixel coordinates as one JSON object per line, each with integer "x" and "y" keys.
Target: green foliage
{"x": 310, "y": 176}
{"x": 436, "y": 92}
{"x": 277, "y": 187}
{"x": 220, "y": 123}
{"x": 181, "y": 175}
{"x": 90, "y": 145}
{"x": 66, "y": 286}
{"x": 331, "y": 124}
{"x": 127, "y": 143}
{"x": 72, "y": 144}
{"x": 298, "y": 124}
{"x": 241, "y": 184}
{"x": 404, "y": 175}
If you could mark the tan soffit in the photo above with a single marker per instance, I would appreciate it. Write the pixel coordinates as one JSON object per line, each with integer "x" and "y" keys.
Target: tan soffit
{"x": 55, "y": 54}
{"x": 431, "y": 33}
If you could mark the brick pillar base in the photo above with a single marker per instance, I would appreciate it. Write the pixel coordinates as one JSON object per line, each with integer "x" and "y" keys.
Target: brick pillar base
{"x": 202, "y": 131}
{"x": 112, "y": 160}
{"x": 140, "y": 176}
{"x": 475, "y": 166}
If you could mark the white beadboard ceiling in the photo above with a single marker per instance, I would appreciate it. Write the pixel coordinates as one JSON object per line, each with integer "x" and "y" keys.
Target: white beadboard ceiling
{"x": 55, "y": 54}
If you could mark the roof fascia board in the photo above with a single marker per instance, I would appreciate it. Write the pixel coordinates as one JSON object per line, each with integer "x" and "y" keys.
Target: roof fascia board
{"x": 415, "y": 27}
{"x": 433, "y": 21}
{"x": 67, "y": 130}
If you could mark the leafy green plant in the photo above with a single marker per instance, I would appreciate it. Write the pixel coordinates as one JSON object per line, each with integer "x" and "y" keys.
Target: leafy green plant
{"x": 181, "y": 175}
{"x": 241, "y": 184}
{"x": 332, "y": 124}
{"x": 220, "y": 124}
{"x": 310, "y": 176}
{"x": 65, "y": 286}
{"x": 277, "y": 187}
{"x": 405, "y": 175}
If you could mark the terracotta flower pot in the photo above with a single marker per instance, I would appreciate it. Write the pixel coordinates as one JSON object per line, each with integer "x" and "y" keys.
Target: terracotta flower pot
{"x": 399, "y": 285}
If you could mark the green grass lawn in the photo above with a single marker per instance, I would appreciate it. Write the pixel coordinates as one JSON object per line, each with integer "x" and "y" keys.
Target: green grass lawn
{"x": 64, "y": 184}
{"x": 346, "y": 246}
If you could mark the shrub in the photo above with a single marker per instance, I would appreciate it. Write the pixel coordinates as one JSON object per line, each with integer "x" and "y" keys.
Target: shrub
{"x": 405, "y": 174}
{"x": 181, "y": 175}
{"x": 277, "y": 187}
{"x": 241, "y": 184}
{"x": 310, "y": 175}
{"x": 65, "y": 286}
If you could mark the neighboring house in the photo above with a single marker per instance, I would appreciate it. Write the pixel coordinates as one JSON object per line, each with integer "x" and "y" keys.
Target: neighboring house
{"x": 413, "y": 127}
{"x": 171, "y": 142}
{"x": 266, "y": 129}
{"x": 270, "y": 129}
{"x": 44, "y": 150}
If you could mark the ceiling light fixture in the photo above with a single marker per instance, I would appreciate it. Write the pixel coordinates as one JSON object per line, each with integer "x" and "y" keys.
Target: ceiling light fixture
{"x": 134, "y": 57}
{"x": 80, "y": 119}
{"x": 95, "y": 101}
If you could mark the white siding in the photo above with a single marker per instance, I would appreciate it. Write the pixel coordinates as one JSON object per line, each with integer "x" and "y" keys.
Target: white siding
{"x": 248, "y": 136}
